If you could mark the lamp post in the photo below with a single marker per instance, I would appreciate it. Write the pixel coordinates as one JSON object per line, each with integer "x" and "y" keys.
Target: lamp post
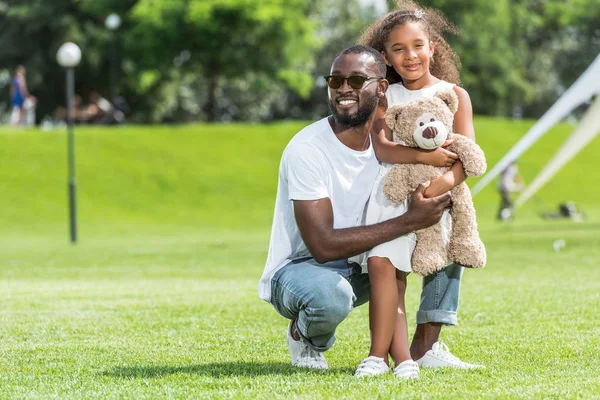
{"x": 112, "y": 23}
{"x": 68, "y": 57}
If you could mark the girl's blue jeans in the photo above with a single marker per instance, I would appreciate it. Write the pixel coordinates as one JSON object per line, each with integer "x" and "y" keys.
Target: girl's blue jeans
{"x": 320, "y": 297}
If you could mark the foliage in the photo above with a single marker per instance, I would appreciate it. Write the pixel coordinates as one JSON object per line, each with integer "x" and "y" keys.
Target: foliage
{"x": 513, "y": 51}
{"x": 583, "y": 39}
{"x": 32, "y": 32}
{"x": 239, "y": 39}
{"x": 167, "y": 47}
{"x": 189, "y": 60}
{"x": 492, "y": 53}
{"x": 339, "y": 24}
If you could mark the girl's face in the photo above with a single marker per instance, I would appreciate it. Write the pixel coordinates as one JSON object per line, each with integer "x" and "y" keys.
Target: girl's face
{"x": 409, "y": 51}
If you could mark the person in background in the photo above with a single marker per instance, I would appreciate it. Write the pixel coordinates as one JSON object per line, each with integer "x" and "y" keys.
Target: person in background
{"x": 61, "y": 113}
{"x": 96, "y": 109}
{"x": 20, "y": 99}
{"x": 509, "y": 182}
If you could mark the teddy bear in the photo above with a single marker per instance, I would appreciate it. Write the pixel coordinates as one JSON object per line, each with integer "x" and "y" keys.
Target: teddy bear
{"x": 427, "y": 123}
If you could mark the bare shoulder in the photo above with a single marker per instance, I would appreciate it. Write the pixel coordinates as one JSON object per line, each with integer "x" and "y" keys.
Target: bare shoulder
{"x": 464, "y": 102}
{"x": 463, "y": 118}
{"x": 463, "y": 95}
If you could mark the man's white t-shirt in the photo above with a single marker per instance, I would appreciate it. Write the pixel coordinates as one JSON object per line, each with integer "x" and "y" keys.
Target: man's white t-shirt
{"x": 316, "y": 165}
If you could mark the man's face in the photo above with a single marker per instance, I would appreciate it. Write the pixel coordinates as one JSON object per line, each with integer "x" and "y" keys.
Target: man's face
{"x": 353, "y": 107}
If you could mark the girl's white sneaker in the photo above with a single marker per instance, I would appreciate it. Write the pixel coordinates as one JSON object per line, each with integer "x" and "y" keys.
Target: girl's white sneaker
{"x": 408, "y": 369}
{"x": 371, "y": 366}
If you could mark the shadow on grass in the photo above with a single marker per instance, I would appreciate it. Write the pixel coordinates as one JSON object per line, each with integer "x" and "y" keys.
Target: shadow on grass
{"x": 215, "y": 370}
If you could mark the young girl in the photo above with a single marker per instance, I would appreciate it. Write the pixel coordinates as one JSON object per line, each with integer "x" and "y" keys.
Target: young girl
{"x": 420, "y": 63}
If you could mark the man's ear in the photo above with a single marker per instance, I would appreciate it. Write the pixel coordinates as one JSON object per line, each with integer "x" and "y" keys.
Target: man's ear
{"x": 382, "y": 87}
{"x": 449, "y": 98}
{"x": 392, "y": 114}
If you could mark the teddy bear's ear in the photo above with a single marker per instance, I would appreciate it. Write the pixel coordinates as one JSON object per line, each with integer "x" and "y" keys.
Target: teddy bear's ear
{"x": 392, "y": 114}
{"x": 450, "y": 98}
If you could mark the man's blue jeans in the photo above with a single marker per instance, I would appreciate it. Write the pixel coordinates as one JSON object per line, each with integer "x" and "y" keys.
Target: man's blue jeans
{"x": 320, "y": 297}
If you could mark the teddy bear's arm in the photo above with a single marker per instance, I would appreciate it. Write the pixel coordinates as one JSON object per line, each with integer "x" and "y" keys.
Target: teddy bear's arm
{"x": 469, "y": 153}
{"x": 403, "y": 179}
{"x": 396, "y": 186}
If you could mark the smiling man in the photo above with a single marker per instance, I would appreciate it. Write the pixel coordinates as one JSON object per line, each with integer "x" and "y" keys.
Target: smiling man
{"x": 326, "y": 175}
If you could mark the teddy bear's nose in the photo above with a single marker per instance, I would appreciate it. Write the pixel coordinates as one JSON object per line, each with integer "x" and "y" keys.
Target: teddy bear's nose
{"x": 430, "y": 132}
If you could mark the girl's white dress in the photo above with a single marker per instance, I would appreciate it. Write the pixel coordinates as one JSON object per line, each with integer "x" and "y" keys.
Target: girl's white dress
{"x": 380, "y": 208}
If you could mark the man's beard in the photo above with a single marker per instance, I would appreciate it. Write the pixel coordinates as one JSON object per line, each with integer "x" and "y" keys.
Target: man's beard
{"x": 360, "y": 117}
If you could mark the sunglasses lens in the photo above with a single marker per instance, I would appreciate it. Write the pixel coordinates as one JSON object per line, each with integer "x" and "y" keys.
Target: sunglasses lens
{"x": 356, "y": 82}
{"x": 334, "y": 82}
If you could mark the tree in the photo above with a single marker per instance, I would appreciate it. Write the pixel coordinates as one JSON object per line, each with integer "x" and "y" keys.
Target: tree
{"x": 226, "y": 40}
{"x": 187, "y": 60}
{"x": 581, "y": 33}
{"x": 32, "y": 32}
{"x": 339, "y": 25}
{"x": 520, "y": 54}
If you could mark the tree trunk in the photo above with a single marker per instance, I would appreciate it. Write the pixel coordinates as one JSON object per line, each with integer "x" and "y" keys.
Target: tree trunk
{"x": 211, "y": 104}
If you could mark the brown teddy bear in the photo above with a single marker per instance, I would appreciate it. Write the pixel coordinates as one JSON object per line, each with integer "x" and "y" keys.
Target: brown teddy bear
{"x": 427, "y": 123}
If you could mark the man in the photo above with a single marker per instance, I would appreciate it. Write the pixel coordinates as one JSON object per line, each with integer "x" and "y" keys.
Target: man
{"x": 325, "y": 178}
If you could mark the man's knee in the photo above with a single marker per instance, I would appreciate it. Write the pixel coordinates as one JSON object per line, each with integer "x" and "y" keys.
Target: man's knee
{"x": 332, "y": 303}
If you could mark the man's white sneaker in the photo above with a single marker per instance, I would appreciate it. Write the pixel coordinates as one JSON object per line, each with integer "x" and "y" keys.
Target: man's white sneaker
{"x": 439, "y": 357}
{"x": 371, "y": 366}
{"x": 408, "y": 369}
{"x": 303, "y": 355}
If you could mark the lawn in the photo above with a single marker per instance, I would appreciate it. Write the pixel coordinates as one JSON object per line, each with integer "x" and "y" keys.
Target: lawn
{"x": 158, "y": 299}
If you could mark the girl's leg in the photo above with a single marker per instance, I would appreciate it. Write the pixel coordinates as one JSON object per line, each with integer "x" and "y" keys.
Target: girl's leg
{"x": 383, "y": 304}
{"x": 399, "y": 347}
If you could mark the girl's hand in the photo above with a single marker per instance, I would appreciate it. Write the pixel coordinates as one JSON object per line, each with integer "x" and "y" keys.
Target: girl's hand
{"x": 440, "y": 157}
{"x": 439, "y": 186}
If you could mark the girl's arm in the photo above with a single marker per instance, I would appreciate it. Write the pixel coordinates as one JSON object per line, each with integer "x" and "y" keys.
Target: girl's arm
{"x": 393, "y": 153}
{"x": 463, "y": 124}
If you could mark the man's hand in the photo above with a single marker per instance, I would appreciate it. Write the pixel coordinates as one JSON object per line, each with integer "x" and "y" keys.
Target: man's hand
{"x": 439, "y": 157}
{"x": 425, "y": 212}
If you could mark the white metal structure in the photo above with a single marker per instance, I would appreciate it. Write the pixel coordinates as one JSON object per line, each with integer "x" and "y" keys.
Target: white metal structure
{"x": 584, "y": 88}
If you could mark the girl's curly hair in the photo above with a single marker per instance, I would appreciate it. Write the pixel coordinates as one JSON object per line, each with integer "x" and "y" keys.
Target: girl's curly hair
{"x": 444, "y": 64}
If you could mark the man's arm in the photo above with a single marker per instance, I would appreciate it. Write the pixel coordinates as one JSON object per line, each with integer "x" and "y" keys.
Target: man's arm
{"x": 325, "y": 243}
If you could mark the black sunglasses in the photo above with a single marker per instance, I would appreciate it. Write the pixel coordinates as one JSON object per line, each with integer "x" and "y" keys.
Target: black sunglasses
{"x": 355, "y": 81}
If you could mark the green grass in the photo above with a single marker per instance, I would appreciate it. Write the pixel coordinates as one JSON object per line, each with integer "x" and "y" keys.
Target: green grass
{"x": 159, "y": 300}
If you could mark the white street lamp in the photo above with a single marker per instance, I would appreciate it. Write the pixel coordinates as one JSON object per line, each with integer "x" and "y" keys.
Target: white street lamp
{"x": 112, "y": 23}
{"x": 68, "y": 57}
